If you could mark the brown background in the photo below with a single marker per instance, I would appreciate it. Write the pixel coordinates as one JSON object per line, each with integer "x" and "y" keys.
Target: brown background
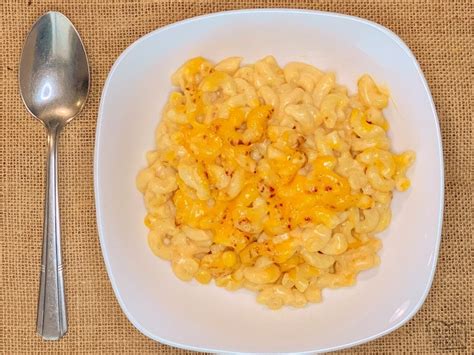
{"x": 438, "y": 32}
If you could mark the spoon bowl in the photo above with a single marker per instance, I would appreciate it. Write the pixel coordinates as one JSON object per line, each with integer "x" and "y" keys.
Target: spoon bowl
{"x": 54, "y": 83}
{"x": 54, "y": 71}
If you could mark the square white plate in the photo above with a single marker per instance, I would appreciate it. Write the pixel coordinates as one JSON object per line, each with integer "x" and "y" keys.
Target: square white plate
{"x": 208, "y": 318}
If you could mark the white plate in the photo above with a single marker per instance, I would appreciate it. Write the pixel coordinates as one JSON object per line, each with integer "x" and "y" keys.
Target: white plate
{"x": 208, "y": 318}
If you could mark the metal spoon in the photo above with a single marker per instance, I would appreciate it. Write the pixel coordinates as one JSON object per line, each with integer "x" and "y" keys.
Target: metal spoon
{"x": 54, "y": 85}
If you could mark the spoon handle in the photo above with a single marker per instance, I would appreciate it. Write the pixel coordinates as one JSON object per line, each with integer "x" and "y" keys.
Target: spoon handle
{"x": 51, "y": 322}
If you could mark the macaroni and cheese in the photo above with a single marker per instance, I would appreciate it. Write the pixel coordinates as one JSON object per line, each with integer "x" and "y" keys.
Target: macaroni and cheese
{"x": 273, "y": 179}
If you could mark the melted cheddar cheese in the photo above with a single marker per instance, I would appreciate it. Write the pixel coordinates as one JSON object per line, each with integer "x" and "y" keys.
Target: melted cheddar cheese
{"x": 295, "y": 199}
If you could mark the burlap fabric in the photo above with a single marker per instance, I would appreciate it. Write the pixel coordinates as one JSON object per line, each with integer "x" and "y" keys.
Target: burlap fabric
{"x": 438, "y": 32}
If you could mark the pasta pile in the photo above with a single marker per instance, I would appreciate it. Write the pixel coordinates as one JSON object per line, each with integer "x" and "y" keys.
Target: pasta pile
{"x": 268, "y": 178}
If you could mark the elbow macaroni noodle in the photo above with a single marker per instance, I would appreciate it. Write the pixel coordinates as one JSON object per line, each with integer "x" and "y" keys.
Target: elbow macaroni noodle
{"x": 268, "y": 178}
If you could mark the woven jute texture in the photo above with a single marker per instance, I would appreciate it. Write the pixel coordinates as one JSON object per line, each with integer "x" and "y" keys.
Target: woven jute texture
{"x": 438, "y": 32}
